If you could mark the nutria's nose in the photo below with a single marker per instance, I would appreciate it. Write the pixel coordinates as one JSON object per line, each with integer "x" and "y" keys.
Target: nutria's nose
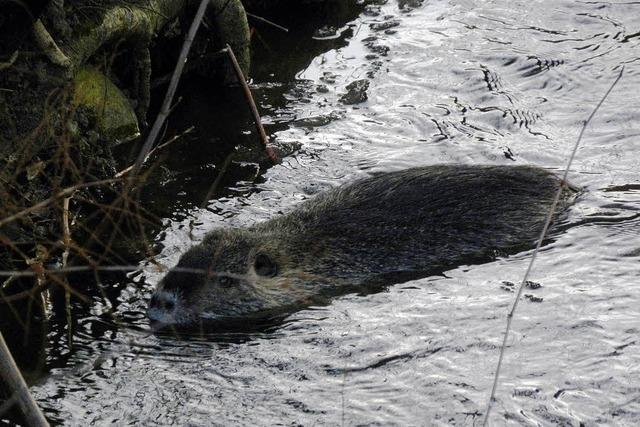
{"x": 161, "y": 306}
{"x": 162, "y": 301}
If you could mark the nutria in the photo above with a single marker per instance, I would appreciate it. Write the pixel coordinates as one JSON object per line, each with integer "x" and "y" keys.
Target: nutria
{"x": 380, "y": 230}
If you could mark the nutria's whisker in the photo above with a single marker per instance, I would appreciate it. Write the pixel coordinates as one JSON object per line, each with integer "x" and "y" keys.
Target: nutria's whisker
{"x": 549, "y": 217}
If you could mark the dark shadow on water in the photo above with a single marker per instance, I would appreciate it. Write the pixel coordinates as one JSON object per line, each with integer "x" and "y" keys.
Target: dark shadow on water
{"x": 229, "y": 331}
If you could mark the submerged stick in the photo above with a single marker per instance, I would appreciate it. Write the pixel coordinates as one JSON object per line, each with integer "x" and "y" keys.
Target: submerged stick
{"x": 66, "y": 230}
{"x": 252, "y": 105}
{"x": 173, "y": 85}
{"x": 66, "y": 240}
{"x": 218, "y": 180}
{"x": 128, "y": 169}
{"x": 543, "y": 234}
{"x": 12, "y": 376}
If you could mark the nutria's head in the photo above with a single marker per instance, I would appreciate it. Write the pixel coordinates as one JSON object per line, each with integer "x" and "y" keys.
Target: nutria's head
{"x": 233, "y": 274}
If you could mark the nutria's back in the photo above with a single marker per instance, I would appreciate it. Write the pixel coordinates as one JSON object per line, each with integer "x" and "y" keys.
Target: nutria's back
{"x": 416, "y": 221}
{"x": 420, "y": 218}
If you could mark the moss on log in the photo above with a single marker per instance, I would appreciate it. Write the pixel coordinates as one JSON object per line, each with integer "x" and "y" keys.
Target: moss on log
{"x": 112, "y": 113}
{"x": 135, "y": 24}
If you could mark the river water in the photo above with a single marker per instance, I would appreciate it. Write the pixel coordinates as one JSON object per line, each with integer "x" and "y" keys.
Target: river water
{"x": 491, "y": 82}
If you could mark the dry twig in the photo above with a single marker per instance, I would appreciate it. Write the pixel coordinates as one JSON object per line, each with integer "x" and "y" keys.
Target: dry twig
{"x": 252, "y": 105}
{"x": 61, "y": 194}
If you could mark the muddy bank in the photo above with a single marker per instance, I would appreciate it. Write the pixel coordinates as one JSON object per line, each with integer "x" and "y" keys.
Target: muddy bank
{"x": 75, "y": 82}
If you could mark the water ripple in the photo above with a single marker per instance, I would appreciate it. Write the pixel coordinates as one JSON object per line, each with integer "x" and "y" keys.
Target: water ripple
{"x": 466, "y": 82}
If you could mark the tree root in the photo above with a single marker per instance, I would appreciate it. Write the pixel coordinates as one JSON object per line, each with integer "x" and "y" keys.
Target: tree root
{"x": 48, "y": 46}
{"x": 8, "y": 63}
{"x": 137, "y": 24}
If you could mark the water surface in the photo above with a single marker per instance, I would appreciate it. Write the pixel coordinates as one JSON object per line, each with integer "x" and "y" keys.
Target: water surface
{"x": 498, "y": 82}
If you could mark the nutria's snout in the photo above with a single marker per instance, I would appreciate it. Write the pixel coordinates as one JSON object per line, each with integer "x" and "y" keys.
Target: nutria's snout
{"x": 230, "y": 276}
{"x": 168, "y": 309}
{"x": 162, "y": 307}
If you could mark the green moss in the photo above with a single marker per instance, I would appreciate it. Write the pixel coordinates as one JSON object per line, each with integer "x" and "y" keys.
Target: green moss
{"x": 114, "y": 117}
{"x": 233, "y": 28}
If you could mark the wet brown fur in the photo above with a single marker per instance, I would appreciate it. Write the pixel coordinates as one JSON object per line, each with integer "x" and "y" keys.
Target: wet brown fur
{"x": 377, "y": 231}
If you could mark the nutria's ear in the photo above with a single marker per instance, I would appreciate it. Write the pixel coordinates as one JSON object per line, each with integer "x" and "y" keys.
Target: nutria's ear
{"x": 265, "y": 266}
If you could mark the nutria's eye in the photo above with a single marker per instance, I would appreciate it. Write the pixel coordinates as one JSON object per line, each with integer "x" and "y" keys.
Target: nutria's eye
{"x": 265, "y": 266}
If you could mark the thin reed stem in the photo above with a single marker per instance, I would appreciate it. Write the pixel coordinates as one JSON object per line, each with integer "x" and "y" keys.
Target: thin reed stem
{"x": 543, "y": 234}
{"x": 171, "y": 91}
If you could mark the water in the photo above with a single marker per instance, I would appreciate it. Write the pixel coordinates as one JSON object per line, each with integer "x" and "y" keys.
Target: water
{"x": 501, "y": 82}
